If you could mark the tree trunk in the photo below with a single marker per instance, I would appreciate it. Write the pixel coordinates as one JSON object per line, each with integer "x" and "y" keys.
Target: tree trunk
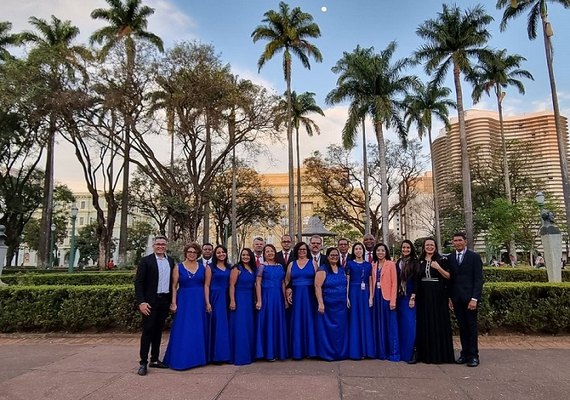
{"x": 560, "y": 135}
{"x": 47, "y": 205}
{"x": 125, "y": 200}
{"x": 290, "y": 148}
{"x": 383, "y": 177}
{"x": 465, "y": 171}
{"x": 299, "y": 204}
{"x": 435, "y": 195}
{"x": 365, "y": 172}
{"x": 170, "y": 128}
{"x": 207, "y": 166}
{"x": 231, "y": 128}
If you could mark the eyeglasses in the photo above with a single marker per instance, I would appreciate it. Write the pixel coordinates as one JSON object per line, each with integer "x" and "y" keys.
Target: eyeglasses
{"x": 191, "y": 252}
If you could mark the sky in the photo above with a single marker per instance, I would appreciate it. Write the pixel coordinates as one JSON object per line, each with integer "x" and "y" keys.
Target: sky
{"x": 344, "y": 24}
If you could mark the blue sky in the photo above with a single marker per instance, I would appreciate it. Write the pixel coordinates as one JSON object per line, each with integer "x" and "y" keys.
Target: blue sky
{"x": 228, "y": 24}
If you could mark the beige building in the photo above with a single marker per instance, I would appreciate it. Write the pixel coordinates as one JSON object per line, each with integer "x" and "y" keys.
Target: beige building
{"x": 416, "y": 220}
{"x": 535, "y": 130}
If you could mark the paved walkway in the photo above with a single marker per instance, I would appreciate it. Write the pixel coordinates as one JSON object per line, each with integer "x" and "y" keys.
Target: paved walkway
{"x": 60, "y": 367}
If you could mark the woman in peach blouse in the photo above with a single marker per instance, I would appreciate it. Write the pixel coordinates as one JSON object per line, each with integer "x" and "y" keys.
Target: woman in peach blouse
{"x": 384, "y": 316}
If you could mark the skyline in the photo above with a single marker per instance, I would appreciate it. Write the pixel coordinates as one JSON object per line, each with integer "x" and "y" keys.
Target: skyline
{"x": 228, "y": 24}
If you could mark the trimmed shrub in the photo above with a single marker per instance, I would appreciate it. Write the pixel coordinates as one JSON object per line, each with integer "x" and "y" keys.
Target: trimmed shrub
{"x": 507, "y": 274}
{"x": 75, "y": 279}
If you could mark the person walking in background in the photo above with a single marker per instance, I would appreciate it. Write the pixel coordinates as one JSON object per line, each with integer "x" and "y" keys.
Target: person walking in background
{"x": 271, "y": 328}
{"x": 216, "y": 297}
{"x": 434, "y": 340}
{"x": 242, "y": 318}
{"x": 360, "y": 300}
{"x": 188, "y": 343}
{"x": 466, "y": 270}
{"x": 153, "y": 296}
{"x": 302, "y": 303}
{"x": 407, "y": 267}
{"x": 384, "y": 315}
{"x": 332, "y": 317}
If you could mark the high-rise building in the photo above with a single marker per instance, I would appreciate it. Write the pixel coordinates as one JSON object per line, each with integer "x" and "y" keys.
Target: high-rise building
{"x": 416, "y": 219}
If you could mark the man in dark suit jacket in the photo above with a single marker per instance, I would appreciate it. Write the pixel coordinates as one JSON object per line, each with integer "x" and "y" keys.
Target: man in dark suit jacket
{"x": 153, "y": 295}
{"x": 466, "y": 285}
{"x": 284, "y": 256}
{"x": 316, "y": 245}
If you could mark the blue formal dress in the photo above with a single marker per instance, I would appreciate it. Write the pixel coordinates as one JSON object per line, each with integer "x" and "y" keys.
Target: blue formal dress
{"x": 242, "y": 321}
{"x": 385, "y": 323}
{"x": 188, "y": 336}
{"x": 406, "y": 316}
{"x": 271, "y": 328}
{"x": 303, "y": 311}
{"x": 332, "y": 325}
{"x": 361, "y": 334}
{"x": 219, "y": 325}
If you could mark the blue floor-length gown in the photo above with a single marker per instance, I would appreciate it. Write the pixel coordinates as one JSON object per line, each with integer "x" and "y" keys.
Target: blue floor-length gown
{"x": 385, "y": 323}
{"x": 271, "y": 329}
{"x": 303, "y": 311}
{"x": 188, "y": 335}
{"x": 242, "y": 321}
{"x": 406, "y": 320}
{"x": 361, "y": 335}
{"x": 332, "y": 325}
{"x": 218, "y": 319}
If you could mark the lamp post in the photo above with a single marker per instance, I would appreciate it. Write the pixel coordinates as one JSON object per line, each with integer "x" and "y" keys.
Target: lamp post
{"x": 52, "y": 243}
{"x": 226, "y": 223}
{"x": 71, "y": 259}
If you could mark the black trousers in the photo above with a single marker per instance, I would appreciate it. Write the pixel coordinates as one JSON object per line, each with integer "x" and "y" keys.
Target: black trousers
{"x": 153, "y": 325}
{"x": 468, "y": 333}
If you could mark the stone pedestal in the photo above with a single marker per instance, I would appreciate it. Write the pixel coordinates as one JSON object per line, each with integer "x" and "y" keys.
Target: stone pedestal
{"x": 552, "y": 244}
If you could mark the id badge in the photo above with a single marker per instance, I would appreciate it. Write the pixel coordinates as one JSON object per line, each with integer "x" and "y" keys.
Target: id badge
{"x": 362, "y": 286}
{"x": 378, "y": 285}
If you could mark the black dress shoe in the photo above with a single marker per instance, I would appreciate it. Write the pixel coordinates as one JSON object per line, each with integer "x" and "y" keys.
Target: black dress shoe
{"x": 142, "y": 370}
{"x": 473, "y": 362}
{"x": 461, "y": 360}
{"x": 157, "y": 364}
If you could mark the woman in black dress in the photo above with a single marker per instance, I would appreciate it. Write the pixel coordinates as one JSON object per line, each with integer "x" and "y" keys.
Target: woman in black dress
{"x": 434, "y": 342}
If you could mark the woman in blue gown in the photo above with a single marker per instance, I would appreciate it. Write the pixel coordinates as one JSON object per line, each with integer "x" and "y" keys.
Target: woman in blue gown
{"x": 361, "y": 297}
{"x": 271, "y": 328}
{"x": 332, "y": 317}
{"x": 384, "y": 314}
{"x": 242, "y": 321}
{"x": 216, "y": 292}
{"x": 303, "y": 305}
{"x": 188, "y": 335}
{"x": 407, "y": 267}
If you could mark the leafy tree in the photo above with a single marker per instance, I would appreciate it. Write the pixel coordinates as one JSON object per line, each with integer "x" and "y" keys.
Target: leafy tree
{"x": 300, "y": 106}
{"x": 453, "y": 38}
{"x": 6, "y": 39}
{"x": 538, "y": 10}
{"x": 428, "y": 101}
{"x": 87, "y": 244}
{"x": 138, "y": 234}
{"x": 145, "y": 196}
{"x": 127, "y": 22}
{"x": 288, "y": 31}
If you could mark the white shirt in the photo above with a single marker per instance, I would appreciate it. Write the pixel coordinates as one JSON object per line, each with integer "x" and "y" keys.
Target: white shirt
{"x": 163, "y": 275}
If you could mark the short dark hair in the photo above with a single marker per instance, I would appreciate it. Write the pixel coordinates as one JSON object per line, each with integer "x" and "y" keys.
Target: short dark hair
{"x": 208, "y": 244}
{"x": 160, "y": 237}
{"x": 460, "y": 234}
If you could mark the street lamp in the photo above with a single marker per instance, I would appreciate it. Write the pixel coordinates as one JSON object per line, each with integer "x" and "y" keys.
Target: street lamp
{"x": 71, "y": 260}
{"x": 226, "y": 223}
{"x": 52, "y": 243}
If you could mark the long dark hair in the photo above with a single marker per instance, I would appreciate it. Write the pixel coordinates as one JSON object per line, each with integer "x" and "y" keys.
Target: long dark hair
{"x": 327, "y": 263}
{"x": 296, "y": 250}
{"x": 410, "y": 266}
{"x": 251, "y": 263}
{"x": 436, "y": 255}
{"x": 226, "y": 261}
{"x": 363, "y": 250}
{"x": 375, "y": 257}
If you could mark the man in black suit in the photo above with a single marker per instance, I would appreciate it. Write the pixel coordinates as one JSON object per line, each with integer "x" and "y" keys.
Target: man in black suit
{"x": 466, "y": 269}
{"x": 316, "y": 245}
{"x": 153, "y": 296}
{"x": 283, "y": 257}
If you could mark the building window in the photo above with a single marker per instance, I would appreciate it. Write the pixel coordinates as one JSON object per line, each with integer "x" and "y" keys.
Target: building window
{"x": 82, "y": 206}
{"x": 81, "y": 221}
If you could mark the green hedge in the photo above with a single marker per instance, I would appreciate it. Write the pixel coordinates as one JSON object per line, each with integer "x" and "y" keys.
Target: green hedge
{"x": 508, "y": 274}
{"x": 516, "y": 307}
{"x": 79, "y": 278}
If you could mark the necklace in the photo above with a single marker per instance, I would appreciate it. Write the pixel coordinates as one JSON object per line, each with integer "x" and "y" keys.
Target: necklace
{"x": 190, "y": 273}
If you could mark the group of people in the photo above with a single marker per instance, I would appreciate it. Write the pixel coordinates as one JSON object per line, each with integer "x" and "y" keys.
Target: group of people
{"x": 300, "y": 303}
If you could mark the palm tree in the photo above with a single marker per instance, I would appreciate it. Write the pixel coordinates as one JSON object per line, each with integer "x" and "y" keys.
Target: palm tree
{"x": 427, "y": 101}
{"x": 353, "y": 89}
{"x": 497, "y": 70}
{"x": 377, "y": 88}
{"x": 127, "y": 21}
{"x": 539, "y": 9}
{"x": 300, "y": 106}
{"x": 52, "y": 46}
{"x": 453, "y": 38}
{"x": 6, "y": 39}
{"x": 288, "y": 31}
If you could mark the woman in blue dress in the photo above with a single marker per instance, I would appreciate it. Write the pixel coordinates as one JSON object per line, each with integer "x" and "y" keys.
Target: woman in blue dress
{"x": 303, "y": 304}
{"x": 188, "y": 335}
{"x": 360, "y": 300}
{"x": 332, "y": 317}
{"x": 407, "y": 267}
{"x": 384, "y": 315}
{"x": 216, "y": 293}
{"x": 242, "y": 321}
{"x": 271, "y": 328}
